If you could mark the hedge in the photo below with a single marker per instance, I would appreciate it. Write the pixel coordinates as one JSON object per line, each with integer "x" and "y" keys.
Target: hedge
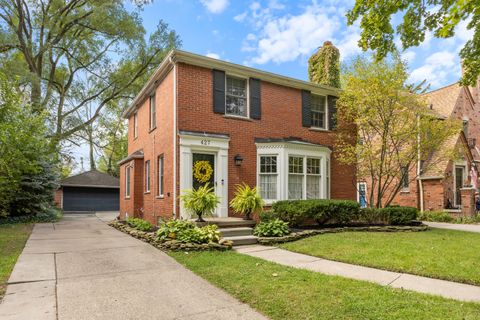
{"x": 339, "y": 212}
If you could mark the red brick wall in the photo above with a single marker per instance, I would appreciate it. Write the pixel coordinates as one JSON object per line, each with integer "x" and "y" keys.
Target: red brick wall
{"x": 58, "y": 198}
{"x": 434, "y": 194}
{"x": 153, "y": 143}
{"x": 281, "y": 118}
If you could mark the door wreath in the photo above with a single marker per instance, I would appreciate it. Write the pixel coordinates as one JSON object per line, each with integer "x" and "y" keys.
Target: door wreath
{"x": 202, "y": 171}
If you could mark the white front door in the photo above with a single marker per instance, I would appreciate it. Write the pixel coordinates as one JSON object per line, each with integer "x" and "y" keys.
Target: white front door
{"x": 206, "y": 150}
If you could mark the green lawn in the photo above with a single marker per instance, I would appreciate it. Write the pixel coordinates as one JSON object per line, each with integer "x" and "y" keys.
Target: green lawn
{"x": 437, "y": 253}
{"x": 12, "y": 241}
{"x": 301, "y": 294}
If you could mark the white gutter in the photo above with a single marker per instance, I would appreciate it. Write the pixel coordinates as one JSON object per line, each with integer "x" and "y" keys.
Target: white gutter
{"x": 174, "y": 137}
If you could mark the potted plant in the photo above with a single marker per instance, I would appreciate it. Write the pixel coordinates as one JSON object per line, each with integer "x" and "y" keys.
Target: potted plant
{"x": 201, "y": 201}
{"x": 246, "y": 201}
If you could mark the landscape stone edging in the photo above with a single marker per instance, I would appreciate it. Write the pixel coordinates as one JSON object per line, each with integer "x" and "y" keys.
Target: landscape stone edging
{"x": 309, "y": 233}
{"x": 171, "y": 245}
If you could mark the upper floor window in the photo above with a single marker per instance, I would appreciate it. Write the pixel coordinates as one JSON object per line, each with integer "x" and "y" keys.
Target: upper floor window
{"x": 147, "y": 176}
{"x": 236, "y": 97}
{"x": 135, "y": 125}
{"x": 153, "y": 113}
{"x": 404, "y": 181}
{"x": 268, "y": 177}
{"x": 319, "y": 114}
{"x": 465, "y": 127}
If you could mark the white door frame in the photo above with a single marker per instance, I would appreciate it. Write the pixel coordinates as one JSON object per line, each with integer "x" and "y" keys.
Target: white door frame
{"x": 209, "y": 144}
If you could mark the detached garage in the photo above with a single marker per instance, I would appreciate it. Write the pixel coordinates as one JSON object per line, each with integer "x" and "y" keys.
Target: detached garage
{"x": 88, "y": 192}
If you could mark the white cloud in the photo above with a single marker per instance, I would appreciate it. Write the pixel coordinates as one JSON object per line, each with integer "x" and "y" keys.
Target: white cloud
{"x": 215, "y": 6}
{"x": 213, "y": 55}
{"x": 437, "y": 69}
{"x": 288, "y": 37}
{"x": 409, "y": 56}
{"x": 240, "y": 17}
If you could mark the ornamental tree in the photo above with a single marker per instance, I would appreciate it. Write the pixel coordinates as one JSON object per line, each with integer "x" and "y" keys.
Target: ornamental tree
{"x": 324, "y": 66}
{"x": 396, "y": 129}
{"x": 419, "y": 17}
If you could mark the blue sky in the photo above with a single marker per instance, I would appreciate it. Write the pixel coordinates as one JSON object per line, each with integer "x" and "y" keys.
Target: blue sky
{"x": 279, "y": 36}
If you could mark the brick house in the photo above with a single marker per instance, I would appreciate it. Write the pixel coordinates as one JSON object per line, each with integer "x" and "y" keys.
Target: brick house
{"x": 238, "y": 124}
{"x": 447, "y": 185}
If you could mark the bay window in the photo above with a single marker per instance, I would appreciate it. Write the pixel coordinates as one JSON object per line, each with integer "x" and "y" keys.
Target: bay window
{"x": 295, "y": 178}
{"x": 268, "y": 177}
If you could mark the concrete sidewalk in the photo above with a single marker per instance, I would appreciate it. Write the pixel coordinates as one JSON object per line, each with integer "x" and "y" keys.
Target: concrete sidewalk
{"x": 80, "y": 268}
{"x": 454, "y": 226}
{"x": 447, "y": 289}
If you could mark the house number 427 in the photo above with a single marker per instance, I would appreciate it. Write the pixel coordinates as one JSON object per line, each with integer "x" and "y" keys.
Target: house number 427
{"x": 205, "y": 142}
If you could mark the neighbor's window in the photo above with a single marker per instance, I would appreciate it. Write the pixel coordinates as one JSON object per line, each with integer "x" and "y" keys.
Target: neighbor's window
{"x": 236, "y": 97}
{"x": 319, "y": 106}
{"x": 327, "y": 180}
{"x": 268, "y": 177}
{"x": 153, "y": 113}
{"x": 147, "y": 176}
{"x": 404, "y": 179}
{"x": 295, "y": 178}
{"x": 127, "y": 182}
{"x": 313, "y": 178}
{"x": 135, "y": 125}
{"x": 160, "y": 175}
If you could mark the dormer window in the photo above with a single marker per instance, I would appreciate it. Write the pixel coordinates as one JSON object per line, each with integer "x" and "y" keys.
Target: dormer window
{"x": 236, "y": 97}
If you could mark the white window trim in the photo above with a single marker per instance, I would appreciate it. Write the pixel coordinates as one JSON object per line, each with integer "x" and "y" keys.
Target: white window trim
{"x": 326, "y": 114}
{"x": 283, "y": 150}
{"x": 455, "y": 165}
{"x": 147, "y": 176}
{"x": 232, "y": 75}
{"x": 153, "y": 120}
{"x": 161, "y": 176}
{"x": 128, "y": 174}
{"x": 135, "y": 125}
{"x": 269, "y": 201}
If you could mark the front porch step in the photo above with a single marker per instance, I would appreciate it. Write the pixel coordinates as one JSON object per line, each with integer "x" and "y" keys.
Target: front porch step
{"x": 242, "y": 240}
{"x": 227, "y": 222}
{"x": 235, "y": 232}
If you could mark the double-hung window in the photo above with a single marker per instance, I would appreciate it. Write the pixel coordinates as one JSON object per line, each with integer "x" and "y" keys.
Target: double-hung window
{"x": 404, "y": 179}
{"x": 236, "y": 97}
{"x": 161, "y": 185}
{"x": 147, "y": 176}
{"x": 295, "y": 177}
{"x": 153, "y": 113}
{"x": 313, "y": 178}
{"x": 127, "y": 182}
{"x": 319, "y": 111}
{"x": 268, "y": 177}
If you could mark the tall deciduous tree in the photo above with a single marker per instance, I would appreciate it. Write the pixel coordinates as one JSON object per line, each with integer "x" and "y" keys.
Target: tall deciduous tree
{"x": 55, "y": 46}
{"x": 324, "y": 66}
{"x": 437, "y": 16}
{"x": 393, "y": 125}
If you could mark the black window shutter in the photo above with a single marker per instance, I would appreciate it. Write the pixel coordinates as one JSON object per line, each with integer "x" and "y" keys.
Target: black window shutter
{"x": 218, "y": 91}
{"x": 255, "y": 99}
{"x": 306, "y": 108}
{"x": 332, "y": 112}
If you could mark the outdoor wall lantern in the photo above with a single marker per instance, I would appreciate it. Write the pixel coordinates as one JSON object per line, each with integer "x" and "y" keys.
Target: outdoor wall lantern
{"x": 238, "y": 160}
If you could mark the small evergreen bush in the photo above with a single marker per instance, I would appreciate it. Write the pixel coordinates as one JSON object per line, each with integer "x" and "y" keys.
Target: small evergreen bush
{"x": 399, "y": 215}
{"x": 187, "y": 232}
{"x": 272, "y": 228}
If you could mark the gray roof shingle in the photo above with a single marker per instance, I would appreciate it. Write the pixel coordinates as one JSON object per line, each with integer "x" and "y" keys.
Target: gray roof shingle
{"x": 91, "y": 178}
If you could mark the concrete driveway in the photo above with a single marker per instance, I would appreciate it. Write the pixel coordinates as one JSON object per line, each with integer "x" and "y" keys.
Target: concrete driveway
{"x": 80, "y": 268}
{"x": 454, "y": 226}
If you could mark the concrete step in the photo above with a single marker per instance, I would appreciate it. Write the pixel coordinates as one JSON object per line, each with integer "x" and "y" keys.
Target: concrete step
{"x": 227, "y": 222}
{"x": 239, "y": 231}
{"x": 242, "y": 240}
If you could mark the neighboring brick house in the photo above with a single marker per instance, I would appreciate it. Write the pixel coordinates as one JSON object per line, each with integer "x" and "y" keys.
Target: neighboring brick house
{"x": 447, "y": 185}
{"x": 245, "y": 124}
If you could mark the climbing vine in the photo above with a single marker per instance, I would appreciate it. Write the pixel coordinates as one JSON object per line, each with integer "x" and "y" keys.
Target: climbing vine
{"x": 324, "y": 65}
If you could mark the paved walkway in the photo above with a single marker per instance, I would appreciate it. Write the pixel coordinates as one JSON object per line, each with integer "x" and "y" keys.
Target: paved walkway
{"x": 454, "y": 226}
{"x": 442, "y": 288}
{"x": 80, "y": 268}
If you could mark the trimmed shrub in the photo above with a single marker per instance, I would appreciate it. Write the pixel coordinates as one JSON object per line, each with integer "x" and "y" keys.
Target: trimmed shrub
{"x": 272, "y": 228}
{"x": 373, "y": 216}
{"x": 139, "y": 224}
{"x": 298, "y": 212}
{"x": 435, "y": 216}
{"x": 399, "y": 215}
{"x": 268, "y": 215}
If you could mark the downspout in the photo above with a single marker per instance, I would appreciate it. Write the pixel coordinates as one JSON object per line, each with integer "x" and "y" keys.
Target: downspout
{"x": 174, "y": 138}
{"x": 419, "y": 169}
